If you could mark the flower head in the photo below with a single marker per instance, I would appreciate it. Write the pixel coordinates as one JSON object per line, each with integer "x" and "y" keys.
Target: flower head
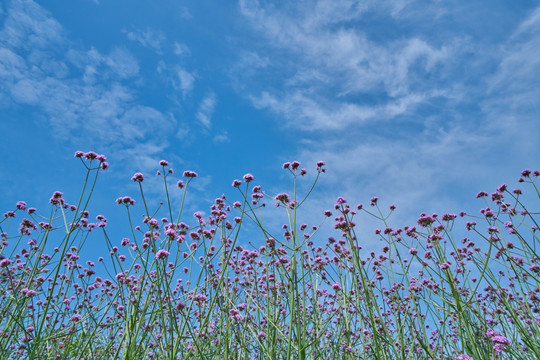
{"x": 138, "y": 177}
{"x": 284, "y": 198}
{"x": 190, "y": 174}
{"x": 90, "y": 155}
{"x": 162, "y": 254}
{"x": 57, "y": 199}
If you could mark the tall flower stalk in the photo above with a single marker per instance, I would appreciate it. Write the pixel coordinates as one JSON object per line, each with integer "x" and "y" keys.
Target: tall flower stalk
{"x": 208, "y": 285}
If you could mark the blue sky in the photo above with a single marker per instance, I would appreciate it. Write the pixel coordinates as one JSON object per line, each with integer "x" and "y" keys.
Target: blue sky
{"x": 421, "y": 103}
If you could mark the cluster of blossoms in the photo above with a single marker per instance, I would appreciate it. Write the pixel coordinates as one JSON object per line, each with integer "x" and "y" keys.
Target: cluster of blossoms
{"x": 91, "y": 156}
{"x": 195, "y": 291}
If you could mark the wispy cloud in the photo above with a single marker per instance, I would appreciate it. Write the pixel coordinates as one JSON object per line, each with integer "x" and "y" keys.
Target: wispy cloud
{"x": 334, "y": 62}
{"x": 149, "y": 37}
{"x": 186, "y": 81}
{"x": 409, "y": 115}
{"x": 206, "y": 110}
{"x": 87, "y": 97}
{"x": 181, "y": 49}
{"x": 221, "y": 138}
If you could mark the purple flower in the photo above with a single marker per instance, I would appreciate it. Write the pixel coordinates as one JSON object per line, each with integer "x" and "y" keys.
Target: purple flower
{"x": 284, "y": 198}
{"x": 199, "y": 298}
{"x": 5, "y": 263}
{"x": 190, "y": 174}
{"x": 248, "y": 178}
{"x": 56, "y": 199}
{"x": 21, "y": 205}
{"x": 449, "y": 217}
{"x": 138, "y": 177}
{"x": 79, "y": 154}
{"x": 162, "y": 254}
{"x": 295, "y": 165}
{"x": 481, "y": 194}
{"x": 164, "y": 163}
{"x": 445, "y": 266}
{"x": 464, "y": 357}
{"x": 90, "y": 155}
{"x": 126, "y": 200}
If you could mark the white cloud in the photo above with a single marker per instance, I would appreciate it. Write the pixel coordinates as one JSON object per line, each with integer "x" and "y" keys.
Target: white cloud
{"x": 122, "y": 63}
{"x": 329, "y": 60}
{"x": 86, "y": 96}
{"x": 410, "y": 116}
{"x": 186, "y": 81}
{"x": 181, "y": 49}
{"x": 27, "y": 26}
{"x": 221, "y": 138}
{"x": 206, "y": 110}
{"x": 149, "y": 38}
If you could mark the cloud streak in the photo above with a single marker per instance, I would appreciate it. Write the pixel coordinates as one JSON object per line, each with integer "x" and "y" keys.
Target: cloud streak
{"x": 337, "y": 67}
{"x": 409, "y": 115}
{"x": 206, "y": 109}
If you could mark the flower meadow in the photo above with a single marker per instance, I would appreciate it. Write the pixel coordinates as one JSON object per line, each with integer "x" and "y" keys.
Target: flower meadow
{"x": 188, "y": 286}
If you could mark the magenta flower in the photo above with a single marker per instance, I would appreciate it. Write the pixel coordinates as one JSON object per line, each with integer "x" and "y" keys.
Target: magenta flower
{"x": 164, "y": 163}
{"x": 57, "y": 199}
{"x": 21, "y": 205}
{"x": 284, "y": 198}
{"x": 162, "y": 254}
{"x": 190, "y": 174}
{"x": 138, "y": 177}
{"x": 5, "y": 263}
{"x": 248, "y": 178}
{"x": 481, "y": 194}
{"x": 90, "y": 155}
